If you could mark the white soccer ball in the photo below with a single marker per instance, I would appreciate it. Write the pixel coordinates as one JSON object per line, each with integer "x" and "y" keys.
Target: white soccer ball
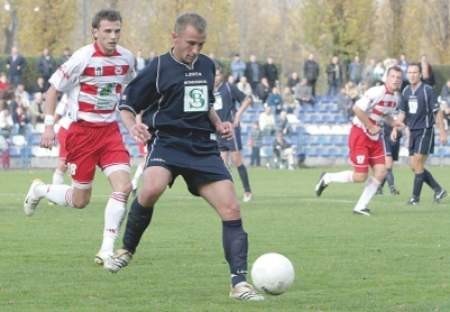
{"x": 272, "y": 273}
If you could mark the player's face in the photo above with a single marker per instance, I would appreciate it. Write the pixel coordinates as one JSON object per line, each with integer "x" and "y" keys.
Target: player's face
{"x": 413, "y": 75}
{"x": 394, "y": 80}
{"x": 187, "y": 44}
{"x": 107, "y": 35}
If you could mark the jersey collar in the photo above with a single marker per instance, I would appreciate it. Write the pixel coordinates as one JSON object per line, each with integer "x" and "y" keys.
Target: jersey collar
{"x": 190, "y": 67}
{"x": 99, "y": 52}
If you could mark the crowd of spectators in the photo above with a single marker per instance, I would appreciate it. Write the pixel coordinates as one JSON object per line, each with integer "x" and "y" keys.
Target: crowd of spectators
{"x": 281, "y": 100}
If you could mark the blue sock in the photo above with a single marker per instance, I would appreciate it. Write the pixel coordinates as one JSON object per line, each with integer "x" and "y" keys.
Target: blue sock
{"x": 235, "y": 245}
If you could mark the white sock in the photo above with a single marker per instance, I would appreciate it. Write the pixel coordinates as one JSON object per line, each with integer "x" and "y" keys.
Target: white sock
{"x": 338, "y": 177}
{"x": 114, "y": 215}
{"x": 136, "y": 176}
{"x": 367, "y": 194}
{"x": 60, "y": 194}
{"x": 58, "y": 177}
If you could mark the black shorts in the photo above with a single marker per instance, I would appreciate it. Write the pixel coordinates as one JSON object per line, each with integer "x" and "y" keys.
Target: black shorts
{"x": 392, "y": 148}
{"x": 421, "y": 141}
{"x": 195, "y": 158}
{"x": 235, "y": 144}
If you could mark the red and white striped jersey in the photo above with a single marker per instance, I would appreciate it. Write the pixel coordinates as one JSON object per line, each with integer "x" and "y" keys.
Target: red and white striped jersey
{"x": 377, "y": 102}
{"x": 94, "y": 82}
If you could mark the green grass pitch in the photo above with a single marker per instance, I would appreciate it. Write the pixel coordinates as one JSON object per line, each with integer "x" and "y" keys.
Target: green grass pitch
{"x": 396, "y": 260}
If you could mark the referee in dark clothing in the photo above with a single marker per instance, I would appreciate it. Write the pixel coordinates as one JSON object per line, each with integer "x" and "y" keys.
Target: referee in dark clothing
{"x": 420, "y": 109}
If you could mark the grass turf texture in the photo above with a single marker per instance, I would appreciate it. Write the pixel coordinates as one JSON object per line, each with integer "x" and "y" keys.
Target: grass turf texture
{"x": 396, "y": 260}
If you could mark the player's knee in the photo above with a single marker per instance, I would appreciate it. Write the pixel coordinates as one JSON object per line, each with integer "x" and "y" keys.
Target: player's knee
{"x": 231, "y": 210}
{"x": 125, "y": 188}
{"x": 360, "y": 177}
{"x": 148, "y": 194}
{"x": 80, "y": 203}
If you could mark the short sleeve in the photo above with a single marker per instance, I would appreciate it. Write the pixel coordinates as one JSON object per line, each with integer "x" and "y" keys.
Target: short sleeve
{"x": 141, "y": 92}
{"x": 67, "y": 76}
{"x": 237, "y": 94}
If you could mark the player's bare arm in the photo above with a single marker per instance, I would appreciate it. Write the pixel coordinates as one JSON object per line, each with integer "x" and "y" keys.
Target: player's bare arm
{"x": 138, "y": 130}
{"x": 371, "y": 127}
{"x": 244, "y": 105}
{"x": 225, "y": 129}
{"x": 48, "y": 137}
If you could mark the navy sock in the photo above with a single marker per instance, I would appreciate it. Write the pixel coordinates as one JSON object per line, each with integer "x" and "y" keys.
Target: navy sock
{"x": 418, "y": 182}
{"x": 244, "y": 178}
{"x": 429, "y": 179}
{"x": 235, "y": 246}
{"x": 390, "y": 178}
{"x": 139, "y": 218}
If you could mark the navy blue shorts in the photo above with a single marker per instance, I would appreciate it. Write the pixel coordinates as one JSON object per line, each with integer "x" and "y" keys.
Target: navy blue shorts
{"x": 195, "y": 157}
{"x": 235, "y": 144}
{"x": 392, "y": 148}
{"x": 421, "y": 141}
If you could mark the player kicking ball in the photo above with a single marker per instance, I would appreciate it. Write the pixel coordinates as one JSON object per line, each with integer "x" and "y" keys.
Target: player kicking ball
{"x": 365, "y": 143}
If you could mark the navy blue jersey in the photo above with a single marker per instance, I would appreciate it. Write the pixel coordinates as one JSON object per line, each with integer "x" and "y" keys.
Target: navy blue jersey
{"x": 226, "y": 97}
{"x": 419, "y": 106}
{"x": 175, "y": 97}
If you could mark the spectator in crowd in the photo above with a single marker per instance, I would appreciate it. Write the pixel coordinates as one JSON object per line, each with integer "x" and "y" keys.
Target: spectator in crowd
{"x": 348, "y": 97}
{"x": 275, "y": 100}
{"x": 368, "y": 72}
{"x": 253, "y": 72}
{"x": 237, "y": 67}
{"x": 39, "y": 85}
{"x": 271, "y": 72}
{"x": 140, "y": 61}
{"x": 311, "y": 71}
{"x": 283, "y": 152}
{"x": 4, "y": 152}
{"x": 303, "y": 93}
{"x": 15, "y": 64}
{"x": 403, "y": 63}
{"x": 255, "y": 143}
{"x": 427, "y": 71}
{"x": 22, "y": 95}
{"x": 36, "y": 110}
{"x": 6, "y": 120}
{"x": 334, "y": 74}
{"x": 266, "y": 121}
{"x": 46, "y": 66}
{"x": 262, "y": 90}
{"x": 244, "y": 86}
{"x": 4, "y": 84}
{"x": 289, "y": 102}
{"x": 355, "y": 69}
{"x": 21, "y": 120}
{"x": 67, "y": 53}
{"x": 378, "y": 73}
{"x": 283, "y": 124}
{"x": 293, "y": 80}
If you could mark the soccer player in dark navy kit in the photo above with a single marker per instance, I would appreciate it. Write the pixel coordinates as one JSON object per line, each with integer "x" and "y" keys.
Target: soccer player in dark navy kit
{"x": 176, "y": 92}
{"x": 419, "y": 107}
{"x": 227, "y": 96}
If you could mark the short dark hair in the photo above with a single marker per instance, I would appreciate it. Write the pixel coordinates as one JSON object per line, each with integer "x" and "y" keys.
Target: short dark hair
{"x": 193, "y": 19}
{"x": 418, "y": 65}
{"x": 107, "y": 14}
{"x": 394, "y": 68}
